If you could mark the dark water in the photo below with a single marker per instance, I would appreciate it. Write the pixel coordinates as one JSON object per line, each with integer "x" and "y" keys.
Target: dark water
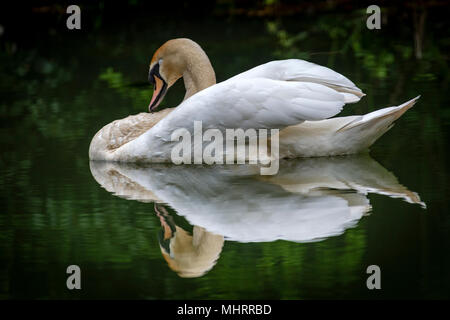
{"x": 309, "y": 232}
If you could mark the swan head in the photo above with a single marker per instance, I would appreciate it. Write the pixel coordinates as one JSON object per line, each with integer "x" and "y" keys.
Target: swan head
{"x": 166, "y": 68}
{"x": 175, "y": 59}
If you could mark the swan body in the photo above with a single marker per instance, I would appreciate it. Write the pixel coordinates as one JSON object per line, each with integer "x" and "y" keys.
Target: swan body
{"x": 292, "y": 95}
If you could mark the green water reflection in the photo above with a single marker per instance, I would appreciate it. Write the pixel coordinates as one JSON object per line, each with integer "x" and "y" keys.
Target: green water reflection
{"x": 58, "y": 91}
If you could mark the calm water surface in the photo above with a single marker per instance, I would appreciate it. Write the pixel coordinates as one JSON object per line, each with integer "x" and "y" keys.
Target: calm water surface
{"x": 174, "y": 232}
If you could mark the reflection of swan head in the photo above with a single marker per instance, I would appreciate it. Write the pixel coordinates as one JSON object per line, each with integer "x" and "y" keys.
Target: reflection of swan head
{"x": 189, "y": 256}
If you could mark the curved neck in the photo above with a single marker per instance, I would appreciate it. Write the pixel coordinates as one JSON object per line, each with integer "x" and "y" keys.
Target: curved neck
{"x": 199, "y": 73}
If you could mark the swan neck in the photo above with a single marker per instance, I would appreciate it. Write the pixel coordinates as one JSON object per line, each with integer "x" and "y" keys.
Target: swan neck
{"x": 199, "y": 73}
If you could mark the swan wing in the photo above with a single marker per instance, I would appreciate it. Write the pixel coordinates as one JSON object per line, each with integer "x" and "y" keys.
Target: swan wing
{"x": 304, "y": 71}
{"x": 255, "y": 103}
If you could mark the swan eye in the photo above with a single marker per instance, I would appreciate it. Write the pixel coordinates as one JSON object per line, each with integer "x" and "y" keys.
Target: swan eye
{"x": 151, "y": 74}
{"x": 151, "y": 79}
{"x": 154, "y": 72}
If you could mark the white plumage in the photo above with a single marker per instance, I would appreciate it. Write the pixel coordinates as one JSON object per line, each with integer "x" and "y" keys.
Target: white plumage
{"x": 290, "y": 95}
{"x": 304, "y": 71}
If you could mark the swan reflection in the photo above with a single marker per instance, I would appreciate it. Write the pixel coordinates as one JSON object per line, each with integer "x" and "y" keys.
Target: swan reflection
{"x": 188, "y": 255}
{"x": 308, "y": 200}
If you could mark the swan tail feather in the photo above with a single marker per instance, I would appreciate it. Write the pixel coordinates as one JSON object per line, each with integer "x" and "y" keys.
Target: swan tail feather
{"x": 385, "y": 117}
{"x": 341, "y": 135}
{"x": 363, "y": 131}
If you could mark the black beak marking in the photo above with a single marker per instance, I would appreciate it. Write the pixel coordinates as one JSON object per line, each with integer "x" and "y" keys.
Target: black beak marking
{"x": 154, "y": 72}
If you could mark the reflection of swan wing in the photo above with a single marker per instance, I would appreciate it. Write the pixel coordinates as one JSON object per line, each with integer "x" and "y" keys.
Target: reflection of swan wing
{"x": 108, "y": 175}
{"x": 308, "y": 200}
{"x": 362, "y": 174}
{"x": 247, "y": 210}
{"x": 277, "y": 215}
{"x": 243, "y": 208}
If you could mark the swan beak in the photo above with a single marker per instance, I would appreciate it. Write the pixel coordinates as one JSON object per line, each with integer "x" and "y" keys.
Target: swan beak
{"x": 158, "y": 93}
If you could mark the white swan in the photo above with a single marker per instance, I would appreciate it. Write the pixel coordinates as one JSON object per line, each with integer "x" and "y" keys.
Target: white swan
{"x": 290, "y": 95}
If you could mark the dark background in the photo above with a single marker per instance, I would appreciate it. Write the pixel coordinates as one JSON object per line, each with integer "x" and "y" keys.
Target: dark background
{"x": 59, "y": 86}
